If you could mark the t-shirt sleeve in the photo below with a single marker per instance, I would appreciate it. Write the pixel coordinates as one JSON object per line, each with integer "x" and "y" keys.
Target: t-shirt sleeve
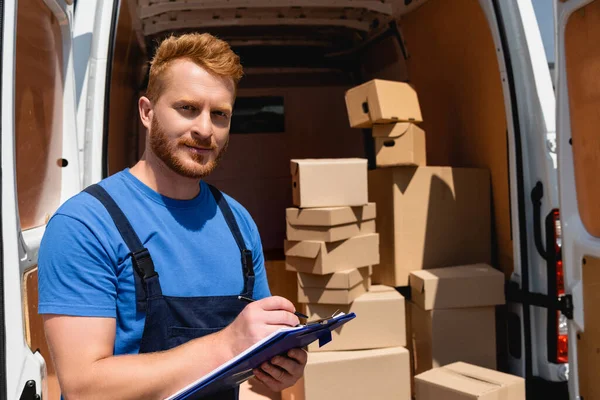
{"x": 75, "y": 273}
{"x": 261, "y": 284}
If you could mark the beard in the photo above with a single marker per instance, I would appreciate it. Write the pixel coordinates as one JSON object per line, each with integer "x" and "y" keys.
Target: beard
{"x": 196, "y": 166}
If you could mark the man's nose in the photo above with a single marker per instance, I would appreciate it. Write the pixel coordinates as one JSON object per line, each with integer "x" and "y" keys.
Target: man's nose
{"x": 203, "y": 126}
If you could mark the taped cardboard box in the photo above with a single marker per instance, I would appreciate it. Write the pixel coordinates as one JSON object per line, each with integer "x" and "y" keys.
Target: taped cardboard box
{"x": 330, "y": 216}
{"x": 354, "y": 375}
{"x": 381, "y": 101}
{"x": 332, "y": 296}
{"x": 329, "y": 182}
{"x": 329, "y": 234}
{"x": 462, "y": 381}
{"x": 440, "y": 337}
{"x": 338, "y": 280}
{"x": 317, "y": 257}
{"x": 405, "y": 145}
{"x": 474, "y": 285}
{"x": 380, "y": 322}
{"x": 429, "y": 217}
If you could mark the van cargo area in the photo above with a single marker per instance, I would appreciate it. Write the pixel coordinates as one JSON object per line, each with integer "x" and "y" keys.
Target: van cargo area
{"x": 300, "y": 59}
{"x": 299, "y": 62}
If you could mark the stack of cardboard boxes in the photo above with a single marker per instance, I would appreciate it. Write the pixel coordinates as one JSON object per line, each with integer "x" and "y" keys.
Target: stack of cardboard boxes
{"x": 332, "y": 244}
{"x": 435, "y": 234}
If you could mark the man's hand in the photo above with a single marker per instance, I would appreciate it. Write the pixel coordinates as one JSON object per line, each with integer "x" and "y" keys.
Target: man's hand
{"x": 258, "y": 320}
{"x": 282, "y": 372}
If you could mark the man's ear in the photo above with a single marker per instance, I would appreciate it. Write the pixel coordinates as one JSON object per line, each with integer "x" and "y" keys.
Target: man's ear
{"x": 146, "y": 111}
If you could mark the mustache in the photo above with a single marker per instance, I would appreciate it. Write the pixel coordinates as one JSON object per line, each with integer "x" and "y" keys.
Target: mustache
{"x": 208, "y": 144}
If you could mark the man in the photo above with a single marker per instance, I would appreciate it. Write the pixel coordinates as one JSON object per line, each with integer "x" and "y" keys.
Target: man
{"x": 139, "y": 276}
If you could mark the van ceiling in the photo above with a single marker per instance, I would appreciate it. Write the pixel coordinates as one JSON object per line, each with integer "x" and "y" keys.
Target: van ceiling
{"x": 278, "y": 33}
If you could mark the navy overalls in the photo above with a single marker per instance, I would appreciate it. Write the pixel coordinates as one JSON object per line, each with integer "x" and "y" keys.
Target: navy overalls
{"x": 171, "y": 321}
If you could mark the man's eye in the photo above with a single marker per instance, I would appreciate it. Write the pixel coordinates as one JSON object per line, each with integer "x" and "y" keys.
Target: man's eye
{"x": 187, "y": 108}
{"x": 221, "y": 114}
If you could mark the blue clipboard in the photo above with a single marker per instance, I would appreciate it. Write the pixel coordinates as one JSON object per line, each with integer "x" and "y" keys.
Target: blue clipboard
{"x": 239, "y": 369}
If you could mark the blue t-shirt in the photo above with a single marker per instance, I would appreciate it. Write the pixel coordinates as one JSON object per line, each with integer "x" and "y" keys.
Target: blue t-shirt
{"x": 84, "y": 268}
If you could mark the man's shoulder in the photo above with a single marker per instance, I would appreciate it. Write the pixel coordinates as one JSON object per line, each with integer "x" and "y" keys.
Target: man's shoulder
{"x": 82, "y": 205}
{"x": 242, "y": 215}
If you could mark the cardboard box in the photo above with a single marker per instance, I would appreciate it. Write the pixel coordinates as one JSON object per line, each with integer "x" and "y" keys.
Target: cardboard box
{"x": 332, "y": 296}
{"x": 329, "y": 234}
{"x": 354, "y": 375}
{"x": 430, "y": 217}
{"x": 381, "y": 101}
{"x": 462, "y": 381}
{"x": 379, "y": 323}
{"x": 329, "y": 182}
{"x": 440, "y": 337}
{"x": 338, "y": 280}
{"x": 322, "y": 258}
{"x": 405, "y": 145}
{"x": 381, "y": 288}
{"x": 474, "y": 285}
{"x": 330, "y": 216}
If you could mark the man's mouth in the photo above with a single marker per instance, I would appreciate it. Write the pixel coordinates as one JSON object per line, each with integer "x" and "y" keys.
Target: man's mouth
{"x": 199, "y": 150}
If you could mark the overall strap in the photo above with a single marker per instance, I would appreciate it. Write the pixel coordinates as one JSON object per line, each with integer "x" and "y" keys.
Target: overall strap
{"x": 247, "y": 263}
{"x": 140, "y": 257}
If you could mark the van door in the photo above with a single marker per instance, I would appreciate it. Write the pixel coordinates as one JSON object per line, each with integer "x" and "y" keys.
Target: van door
{"x": 533, "y": 188}
{"x": 94, "y": 39}
{"x": 578, "y": 119}
{"x": 40, "y": 170}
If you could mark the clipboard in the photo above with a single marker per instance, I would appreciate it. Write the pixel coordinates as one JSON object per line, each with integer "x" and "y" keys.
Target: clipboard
{"x": 239, "y": 369}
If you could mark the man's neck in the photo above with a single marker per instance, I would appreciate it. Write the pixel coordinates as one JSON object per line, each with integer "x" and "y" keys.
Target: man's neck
{"x": 156, "y": 175}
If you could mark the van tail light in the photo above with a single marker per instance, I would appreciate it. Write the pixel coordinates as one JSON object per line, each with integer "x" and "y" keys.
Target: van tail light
{"x": 562, "y": 345}
{"x": 558, "y": 339}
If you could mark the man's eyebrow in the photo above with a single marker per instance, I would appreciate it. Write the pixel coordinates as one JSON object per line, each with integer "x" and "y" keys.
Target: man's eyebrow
{"x": 224, "y": 107}
{"x": 184, "y": 100}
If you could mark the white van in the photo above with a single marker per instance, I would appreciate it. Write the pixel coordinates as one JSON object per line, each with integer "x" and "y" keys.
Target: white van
{"x": 72, "y": 73}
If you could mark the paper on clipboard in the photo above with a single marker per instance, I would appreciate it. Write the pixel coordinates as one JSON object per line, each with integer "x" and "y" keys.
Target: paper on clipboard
{"x": 320, "y": 329}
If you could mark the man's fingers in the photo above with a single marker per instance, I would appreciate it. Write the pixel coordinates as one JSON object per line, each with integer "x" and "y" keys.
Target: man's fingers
{"x": 279, "y": 374}
{"x": 299, "y": 355}
{"x": 276, "y": 303}
{"x": 290, "y": 365}
{"x": 267, "y": 380}
{"x": 280, "y": 317}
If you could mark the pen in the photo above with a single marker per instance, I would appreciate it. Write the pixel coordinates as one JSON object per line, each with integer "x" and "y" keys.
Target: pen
{"x": 248, "y": 300}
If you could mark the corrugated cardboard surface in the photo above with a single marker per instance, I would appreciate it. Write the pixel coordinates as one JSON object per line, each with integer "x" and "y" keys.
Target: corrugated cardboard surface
{"x": 354, "y": 375}
{"x": 332, "y": 296}
{"x": 330, "y": 216}
{"x": 407, "y": 150}
{"x": 514, "y": 385}
{"x": 430, "y": 217}
{"x": 379, "y": 323}
{"x": 464, "y": 117}
{"x": 440, "y": 337}
{"x": 462, "y": 381}
{"x": 475, "y": 285}
{"x": 381, "y": 101}
{"x": 394, "y": 130}
{"x": 281, "y": 281}
{"x": 329, "y": 182}
{"x": 338, "y": 280}
{"x": 329, "y": 234}
{"x": 325, "y": 258}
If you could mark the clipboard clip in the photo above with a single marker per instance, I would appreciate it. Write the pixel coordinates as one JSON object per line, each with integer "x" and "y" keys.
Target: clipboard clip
{"x": 323, "y": 321}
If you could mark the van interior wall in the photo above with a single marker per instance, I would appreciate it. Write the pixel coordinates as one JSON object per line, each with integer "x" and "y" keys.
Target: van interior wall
{"x": 582, "y": 62}
{"x": 453, "y": 66}
{"x": 126, "y": 79}
{"x": 256, "y": 167}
